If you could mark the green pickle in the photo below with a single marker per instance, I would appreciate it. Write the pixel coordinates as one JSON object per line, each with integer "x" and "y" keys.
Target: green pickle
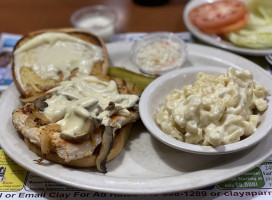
{"x": 140, "y": 81}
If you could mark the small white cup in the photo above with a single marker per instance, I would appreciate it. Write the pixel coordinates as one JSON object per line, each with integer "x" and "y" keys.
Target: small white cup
{"x": 100, "y": 20}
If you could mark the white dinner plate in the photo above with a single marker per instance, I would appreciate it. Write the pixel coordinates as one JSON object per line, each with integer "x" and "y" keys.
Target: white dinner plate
{"x": 213, "y": 39}
{"x": 145, "y": 166}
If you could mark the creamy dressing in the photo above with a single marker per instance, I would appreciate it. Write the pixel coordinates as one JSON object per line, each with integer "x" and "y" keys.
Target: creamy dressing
{"x": 216, "y": 110}
{"x": 51, "y": 53}
{"x": 82, "y": 103}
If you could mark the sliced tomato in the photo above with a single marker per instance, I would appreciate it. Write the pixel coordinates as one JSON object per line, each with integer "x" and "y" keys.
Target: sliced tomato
{"x": 217, "y": 14}
{"x": 229, "y": 28}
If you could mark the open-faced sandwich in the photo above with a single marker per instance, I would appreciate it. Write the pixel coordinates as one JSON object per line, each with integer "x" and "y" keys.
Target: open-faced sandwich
{"x": 74, "y": 114}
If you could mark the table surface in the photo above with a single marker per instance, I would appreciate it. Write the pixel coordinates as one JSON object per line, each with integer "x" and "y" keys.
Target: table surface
{"x": 17, "y": 16}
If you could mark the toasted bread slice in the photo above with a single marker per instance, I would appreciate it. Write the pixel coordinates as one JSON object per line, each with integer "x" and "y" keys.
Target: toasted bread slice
{"x": 26, "y": 78}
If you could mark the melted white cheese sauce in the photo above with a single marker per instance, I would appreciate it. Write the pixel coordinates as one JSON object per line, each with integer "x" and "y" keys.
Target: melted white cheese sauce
{"x": 51, "y": 53}
{"x": 78, "y": 103}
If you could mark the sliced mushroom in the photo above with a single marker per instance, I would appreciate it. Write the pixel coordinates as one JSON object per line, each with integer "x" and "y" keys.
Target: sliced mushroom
{"x": 97, "y": 122}
{"x": 84, "y": 133}
{"x": 107, "y": 143}
{"x": 40, "y": 103}
{"x": 76, "y": 138}
{"x": 86, "y": 123}
{"x": 111, "y": 106}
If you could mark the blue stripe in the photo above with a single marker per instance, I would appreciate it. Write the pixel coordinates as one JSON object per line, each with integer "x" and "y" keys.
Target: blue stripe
{"x": 10, "y": 42}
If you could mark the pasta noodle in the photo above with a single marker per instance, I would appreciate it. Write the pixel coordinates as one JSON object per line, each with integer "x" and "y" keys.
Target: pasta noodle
{"x": 216, "y": 110}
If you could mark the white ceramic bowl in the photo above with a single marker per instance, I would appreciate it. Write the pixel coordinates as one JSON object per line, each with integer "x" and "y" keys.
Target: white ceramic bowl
{"x": 154, "y": 95}
{"x": 174, "y": 43}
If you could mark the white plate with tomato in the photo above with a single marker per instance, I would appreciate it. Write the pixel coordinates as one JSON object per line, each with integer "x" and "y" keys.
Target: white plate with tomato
{"x": 214, "y": 21}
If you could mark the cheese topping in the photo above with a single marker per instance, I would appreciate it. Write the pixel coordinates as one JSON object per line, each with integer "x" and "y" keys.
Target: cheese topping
{"x": 216, "y": 110}
{"x": 85, "y": 102}
{"x": 51, "y": 53}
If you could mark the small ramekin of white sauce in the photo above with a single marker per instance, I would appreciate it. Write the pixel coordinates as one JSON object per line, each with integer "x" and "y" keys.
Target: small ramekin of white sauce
{"x": 158, "y": 53}
{"x": 98, "y": 19}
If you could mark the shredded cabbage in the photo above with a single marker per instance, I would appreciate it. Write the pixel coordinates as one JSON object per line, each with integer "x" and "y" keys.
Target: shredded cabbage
{"x": 258, "y": 32}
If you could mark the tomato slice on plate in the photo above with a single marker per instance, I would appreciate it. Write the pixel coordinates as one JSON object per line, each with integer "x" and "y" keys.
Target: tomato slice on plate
{"x": 229, "y": 28}
{"x": 217, "y": 14}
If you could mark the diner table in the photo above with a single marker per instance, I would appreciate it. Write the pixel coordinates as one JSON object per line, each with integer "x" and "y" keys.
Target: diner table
{"x": 24, "y": 16}
{"x": 134, "y": 18}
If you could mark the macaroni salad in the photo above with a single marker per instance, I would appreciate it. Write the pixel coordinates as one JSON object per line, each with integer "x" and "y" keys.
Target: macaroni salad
{"x": 218, "y": 109}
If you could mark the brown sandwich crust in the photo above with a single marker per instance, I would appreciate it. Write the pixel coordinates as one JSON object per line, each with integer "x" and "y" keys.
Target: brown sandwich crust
{"x": 100, "y": 68}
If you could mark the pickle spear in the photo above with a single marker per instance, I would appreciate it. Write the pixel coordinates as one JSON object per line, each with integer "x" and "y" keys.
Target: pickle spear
{"x": 139, "y": 80}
